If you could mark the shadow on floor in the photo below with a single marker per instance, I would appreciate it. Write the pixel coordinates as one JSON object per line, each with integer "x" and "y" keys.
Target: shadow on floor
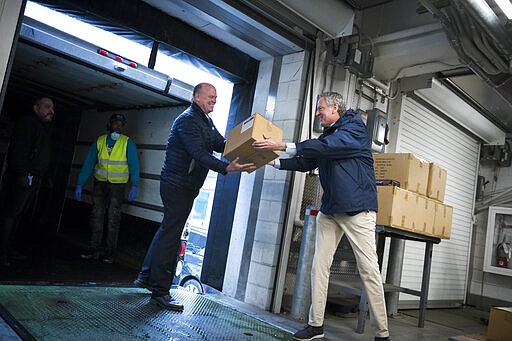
{"x": 60, "y": 263}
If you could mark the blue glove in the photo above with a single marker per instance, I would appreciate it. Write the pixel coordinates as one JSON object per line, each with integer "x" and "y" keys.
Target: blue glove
{"x": 78, "y": 192}
{"x": 133, "y": 193}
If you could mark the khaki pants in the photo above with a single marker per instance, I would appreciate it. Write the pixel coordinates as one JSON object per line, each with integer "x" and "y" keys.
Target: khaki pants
{"x": 360, "y": 230}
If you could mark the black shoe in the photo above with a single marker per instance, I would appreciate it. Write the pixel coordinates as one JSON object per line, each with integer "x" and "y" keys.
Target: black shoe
{"x": 144, "y": 284}
{"x": 382, "y": 338}
{"x": 166, "y": 302}
{"x": 309, "y": 333}
{"x": 90, "y": 256}
{"x": 4, "y": 261}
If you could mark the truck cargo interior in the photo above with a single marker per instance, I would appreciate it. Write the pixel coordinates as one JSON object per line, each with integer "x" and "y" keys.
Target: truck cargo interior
{"x": 432, "y": 81}
{"x": 58, "y": 230}
{"x": 87, "y": 88}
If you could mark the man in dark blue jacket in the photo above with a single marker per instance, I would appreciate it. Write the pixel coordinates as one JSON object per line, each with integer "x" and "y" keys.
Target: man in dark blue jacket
{"x": 188, "y": 157}
{"x": 343, "y": 157}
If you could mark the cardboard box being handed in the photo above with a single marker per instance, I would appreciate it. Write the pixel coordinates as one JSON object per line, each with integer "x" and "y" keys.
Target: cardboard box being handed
{"x": 241, "y": 137}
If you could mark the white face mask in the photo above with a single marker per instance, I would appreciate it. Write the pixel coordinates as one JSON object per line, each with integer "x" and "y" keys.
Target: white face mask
{"x": 114, "y": 136}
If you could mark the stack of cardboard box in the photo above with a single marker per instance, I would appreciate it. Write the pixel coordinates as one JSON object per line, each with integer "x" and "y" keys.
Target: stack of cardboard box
{"x": 417, "y": 205}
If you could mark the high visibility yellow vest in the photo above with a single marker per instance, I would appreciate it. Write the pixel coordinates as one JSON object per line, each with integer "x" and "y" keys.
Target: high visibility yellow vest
{"x": 114, "y": 167}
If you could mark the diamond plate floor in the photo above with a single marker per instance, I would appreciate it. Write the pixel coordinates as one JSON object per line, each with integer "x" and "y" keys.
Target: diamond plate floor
{"x": 109, "y": 313}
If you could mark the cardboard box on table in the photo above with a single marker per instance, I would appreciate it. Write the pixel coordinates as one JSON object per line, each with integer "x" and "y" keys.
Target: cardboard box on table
{"x": 443, "y": 220}
{"x": 406, "y": 210}
{"x": 436, "y": 186}
{"x": 411, "y": 172}
{"x": 241, "y": 137}
{"x": 425, "y": 210}
{"x": 500, "y": 324}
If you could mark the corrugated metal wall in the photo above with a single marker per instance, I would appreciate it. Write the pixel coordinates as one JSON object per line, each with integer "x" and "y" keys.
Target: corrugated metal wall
{"x": 431, "y": 138}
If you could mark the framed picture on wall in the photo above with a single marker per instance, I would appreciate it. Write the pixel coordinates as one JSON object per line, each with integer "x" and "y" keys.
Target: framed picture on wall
{"x": 498, "y": 245}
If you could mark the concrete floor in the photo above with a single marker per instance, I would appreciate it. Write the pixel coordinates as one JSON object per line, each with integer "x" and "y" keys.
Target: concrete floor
{"x": 440, "y": 324}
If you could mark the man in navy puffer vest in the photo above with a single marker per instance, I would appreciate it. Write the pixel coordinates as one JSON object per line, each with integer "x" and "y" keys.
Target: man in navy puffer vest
{"x": 188, "y": 157}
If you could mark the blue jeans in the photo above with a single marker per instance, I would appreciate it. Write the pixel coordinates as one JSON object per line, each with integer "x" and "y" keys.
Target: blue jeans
{"x": 159, "y": 264}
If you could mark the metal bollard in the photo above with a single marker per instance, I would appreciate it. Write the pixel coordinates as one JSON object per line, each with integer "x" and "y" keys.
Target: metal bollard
{"x": 302, "y": 292}
{"x": 394, "y": 273}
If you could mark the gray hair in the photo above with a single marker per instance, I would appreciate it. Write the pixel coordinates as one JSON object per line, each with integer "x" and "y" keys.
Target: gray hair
{"x": 332, "y": 98}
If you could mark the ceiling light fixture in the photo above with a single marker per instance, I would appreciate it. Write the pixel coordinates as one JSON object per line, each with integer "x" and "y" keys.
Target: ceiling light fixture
{"x": 506, "y": 7}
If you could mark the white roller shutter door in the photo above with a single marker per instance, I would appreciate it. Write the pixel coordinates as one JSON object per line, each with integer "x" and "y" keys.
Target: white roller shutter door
{"x": 433, "y": 139}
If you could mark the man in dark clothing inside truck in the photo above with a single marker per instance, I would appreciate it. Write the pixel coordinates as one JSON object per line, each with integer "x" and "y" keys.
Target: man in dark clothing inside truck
{"x": 344, "y": 160}
{"x": 28, "y": 160}
{"x": 188, "y": 158}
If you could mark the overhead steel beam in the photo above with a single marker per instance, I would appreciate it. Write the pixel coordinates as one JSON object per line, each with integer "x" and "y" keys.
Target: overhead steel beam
{"x": 484, "y": 14}
{"x": 461, "y": 112}
{"x": 241, "y": 25}
{"x": 277, "y": 18}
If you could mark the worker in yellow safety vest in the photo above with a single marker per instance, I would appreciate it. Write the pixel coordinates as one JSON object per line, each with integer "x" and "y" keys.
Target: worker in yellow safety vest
{"x": 113, "y": 158}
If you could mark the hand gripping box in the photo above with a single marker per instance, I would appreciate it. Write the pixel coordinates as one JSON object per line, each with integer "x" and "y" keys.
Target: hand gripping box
{"x": 241, "y": 137}
{"x": 411, "y": 172}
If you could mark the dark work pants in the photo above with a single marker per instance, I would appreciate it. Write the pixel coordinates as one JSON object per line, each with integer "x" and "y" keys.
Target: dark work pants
{"x": 160, "y": 261}
{"x": 106, "y": 194}
{"x": 16, "y": 203}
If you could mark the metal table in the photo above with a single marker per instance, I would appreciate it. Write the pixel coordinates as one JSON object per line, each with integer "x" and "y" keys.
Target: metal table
{"x": 357, "y": 288}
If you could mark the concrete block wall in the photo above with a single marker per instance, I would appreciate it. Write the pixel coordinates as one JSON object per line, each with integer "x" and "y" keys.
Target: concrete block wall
{"x": 272, "y": 212}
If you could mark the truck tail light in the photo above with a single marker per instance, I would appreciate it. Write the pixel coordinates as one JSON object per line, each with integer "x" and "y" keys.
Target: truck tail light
{"x": 183, "y": 246}
{"x": 117, "y": 58}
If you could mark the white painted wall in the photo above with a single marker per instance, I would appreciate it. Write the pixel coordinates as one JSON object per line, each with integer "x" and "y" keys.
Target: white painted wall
{"x": 485, "y": 285}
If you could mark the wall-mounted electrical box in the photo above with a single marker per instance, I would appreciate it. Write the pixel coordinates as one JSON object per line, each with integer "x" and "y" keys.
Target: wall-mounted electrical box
{"x": 354, "y": 57}
{"x": 360, "y": 61}
{"x": 377, "y": 128}
{"x": 496, "y": 153}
